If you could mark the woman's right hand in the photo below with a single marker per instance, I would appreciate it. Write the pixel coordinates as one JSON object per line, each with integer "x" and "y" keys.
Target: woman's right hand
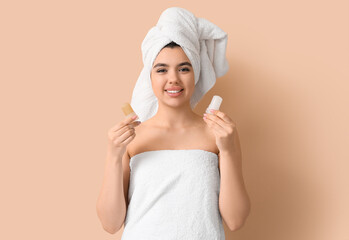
{"x": 120, "y": 135}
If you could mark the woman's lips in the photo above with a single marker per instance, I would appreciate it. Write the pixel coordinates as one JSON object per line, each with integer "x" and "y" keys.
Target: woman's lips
{"x": 174, "y": 94}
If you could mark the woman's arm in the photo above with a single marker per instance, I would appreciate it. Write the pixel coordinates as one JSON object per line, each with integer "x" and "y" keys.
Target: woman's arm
{"x": 234, "y": 203}
{"x": 111, "y": 205}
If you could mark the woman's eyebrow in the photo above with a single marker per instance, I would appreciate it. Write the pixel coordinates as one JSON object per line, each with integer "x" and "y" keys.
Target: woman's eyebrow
{"x": 165, "y": 65}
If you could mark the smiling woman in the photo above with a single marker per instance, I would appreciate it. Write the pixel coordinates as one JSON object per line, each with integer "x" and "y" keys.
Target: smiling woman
{"x": 169, "y": 184}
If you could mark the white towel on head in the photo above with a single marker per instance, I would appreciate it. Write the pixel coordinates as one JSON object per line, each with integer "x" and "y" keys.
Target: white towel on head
{"x": 203, "y": 42}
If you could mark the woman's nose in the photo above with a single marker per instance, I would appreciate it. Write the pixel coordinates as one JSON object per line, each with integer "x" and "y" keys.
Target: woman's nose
{"x": 173, "y": 77}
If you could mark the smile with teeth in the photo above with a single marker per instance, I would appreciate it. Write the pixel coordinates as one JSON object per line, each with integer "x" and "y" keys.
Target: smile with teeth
{"x": 174, "y": 91}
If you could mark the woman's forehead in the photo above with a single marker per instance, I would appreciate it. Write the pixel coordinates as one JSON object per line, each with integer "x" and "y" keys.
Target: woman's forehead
{"x": 171, "y": 56}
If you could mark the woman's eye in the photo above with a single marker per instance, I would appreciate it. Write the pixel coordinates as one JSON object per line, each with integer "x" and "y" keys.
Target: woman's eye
{"x": 162, "y": 70}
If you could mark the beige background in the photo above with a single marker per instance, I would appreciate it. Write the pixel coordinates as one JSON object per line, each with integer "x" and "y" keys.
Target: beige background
{"x": 67, "y": 66}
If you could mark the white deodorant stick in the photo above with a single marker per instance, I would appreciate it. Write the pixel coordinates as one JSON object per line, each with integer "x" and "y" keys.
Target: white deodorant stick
{"x": 215, "y": 103}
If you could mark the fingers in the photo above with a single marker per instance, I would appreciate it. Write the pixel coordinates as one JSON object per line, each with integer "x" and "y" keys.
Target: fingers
{"x": 135, "y": 123}
{"x": 222, "y": 116}
{"x": 120, "y": 138}
{"x": 128, "y": 133}
{"x": 130, "y": 126}
{"x": 126, "y": 122}
{"x": 129, "y": 139}
{"x": 123, "y": 132}
{"x": 215, "y": 119}
{"x": 129, "y": 119}
{"x": 219, "y": 121}
{"x": 214, "y": 125}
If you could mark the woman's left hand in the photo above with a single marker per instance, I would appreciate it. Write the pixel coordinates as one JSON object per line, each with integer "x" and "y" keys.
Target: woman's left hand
{"x": 223, "y": 128}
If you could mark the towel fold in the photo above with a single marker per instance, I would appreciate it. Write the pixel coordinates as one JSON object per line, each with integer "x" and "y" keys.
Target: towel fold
{"x": 203, "y": 42}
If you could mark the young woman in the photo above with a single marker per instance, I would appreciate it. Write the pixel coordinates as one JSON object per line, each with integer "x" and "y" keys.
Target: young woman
{"x": 176, "y": 175}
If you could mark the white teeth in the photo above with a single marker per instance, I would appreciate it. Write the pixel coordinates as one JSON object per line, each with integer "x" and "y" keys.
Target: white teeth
{"x": 173, "y": 91}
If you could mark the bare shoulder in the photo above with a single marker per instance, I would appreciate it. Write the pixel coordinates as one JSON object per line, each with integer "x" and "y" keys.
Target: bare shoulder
{"x": 145, "y": 132}
{"x": 207, "y": 136}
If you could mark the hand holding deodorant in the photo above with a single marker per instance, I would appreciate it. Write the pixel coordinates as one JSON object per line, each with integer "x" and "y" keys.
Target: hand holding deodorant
{"x": 128, "y": 111}
{"x": 215, "y": 103}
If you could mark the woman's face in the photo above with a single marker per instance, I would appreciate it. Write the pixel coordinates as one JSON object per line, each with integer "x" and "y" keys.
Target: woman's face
{"x": 172, "y": 68}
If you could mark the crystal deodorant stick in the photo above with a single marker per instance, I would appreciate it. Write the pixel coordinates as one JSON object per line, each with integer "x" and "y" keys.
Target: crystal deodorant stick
{"x": 128, "y": 111}
{"x": 215, "y": 103}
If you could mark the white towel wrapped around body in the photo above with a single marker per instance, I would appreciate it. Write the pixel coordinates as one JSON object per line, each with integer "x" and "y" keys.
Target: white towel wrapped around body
{"x": 203, "y": 42}
{"x": 174, "y": 195}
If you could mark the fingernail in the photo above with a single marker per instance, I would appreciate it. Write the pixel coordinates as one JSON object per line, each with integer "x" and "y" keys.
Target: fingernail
{"x": 212, "y": 110}
{"x": 134, "y": 117}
